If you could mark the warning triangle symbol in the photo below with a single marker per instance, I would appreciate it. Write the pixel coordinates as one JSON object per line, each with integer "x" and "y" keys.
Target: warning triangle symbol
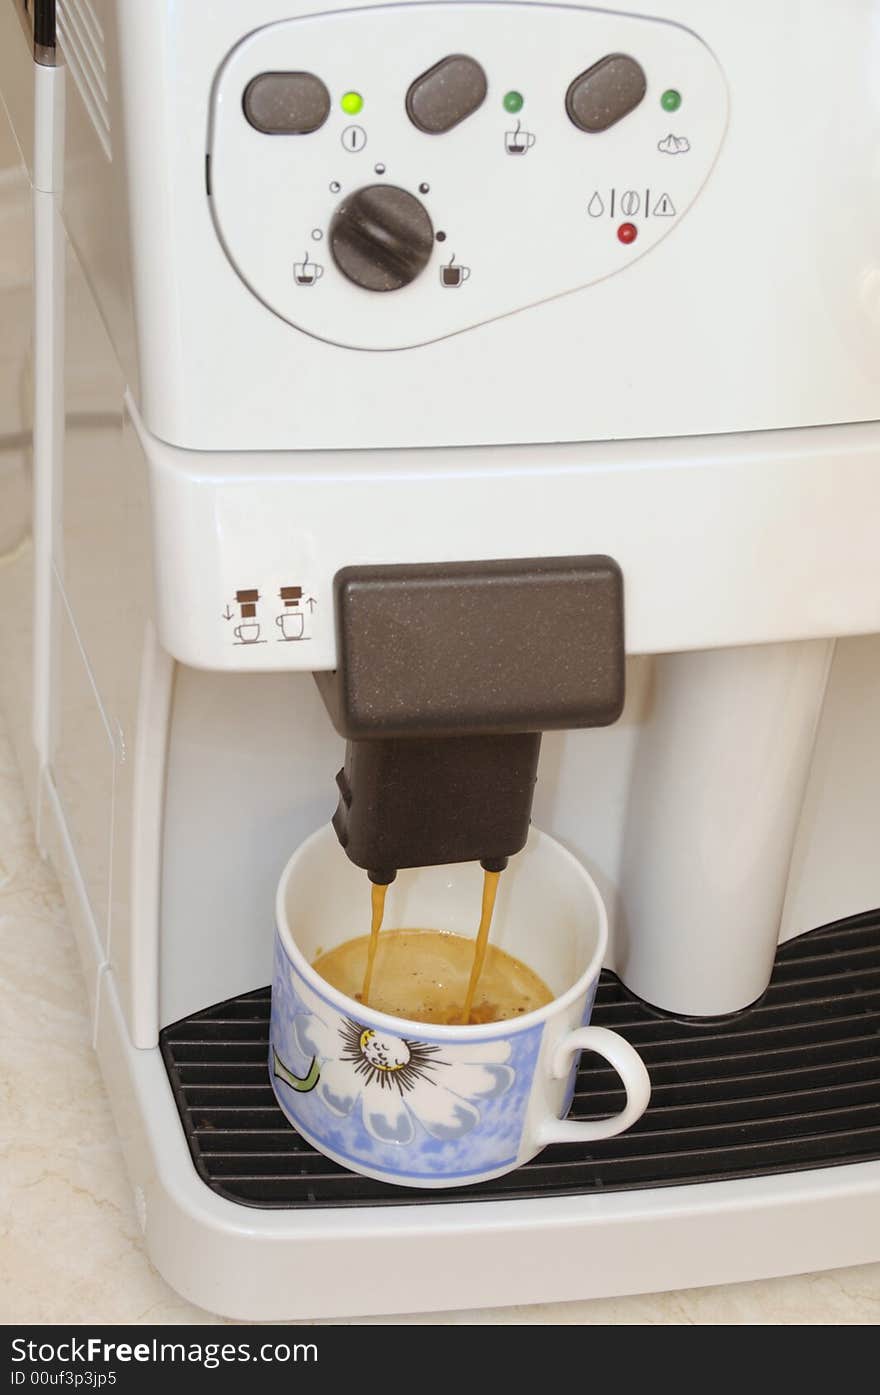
{"x": 664, "y": 207}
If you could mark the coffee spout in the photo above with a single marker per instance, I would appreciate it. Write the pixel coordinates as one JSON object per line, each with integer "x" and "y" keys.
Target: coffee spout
{"x": 447, "y": 676}
{"x": 418, "y": 802}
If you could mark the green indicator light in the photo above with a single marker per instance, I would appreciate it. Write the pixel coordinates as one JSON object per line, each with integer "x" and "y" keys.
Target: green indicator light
{"x": 513, "y": 101}
{"x": 671, "y": 100}
{"x": 352, "y": 103}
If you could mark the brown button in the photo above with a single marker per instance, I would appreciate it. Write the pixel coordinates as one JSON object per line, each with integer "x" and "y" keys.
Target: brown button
{"x": 605, "y": 93}
{"x": 286, "y": 104}
{"x": 446, "y": 94}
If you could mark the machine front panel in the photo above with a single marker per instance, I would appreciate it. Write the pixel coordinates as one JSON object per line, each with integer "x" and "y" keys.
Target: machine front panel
{"x": 503, "y": 154}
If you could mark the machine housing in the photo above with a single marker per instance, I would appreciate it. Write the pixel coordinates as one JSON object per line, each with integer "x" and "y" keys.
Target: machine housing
{"x": 191, "y": 430}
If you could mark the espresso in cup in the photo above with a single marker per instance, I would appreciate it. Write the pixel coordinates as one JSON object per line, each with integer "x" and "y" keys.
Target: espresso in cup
{"x": 423, "y": 975}
{"x": 459, "y": 999}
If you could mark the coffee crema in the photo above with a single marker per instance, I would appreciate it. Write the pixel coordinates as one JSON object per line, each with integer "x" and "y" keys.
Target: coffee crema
{"x": 424, "y": 975}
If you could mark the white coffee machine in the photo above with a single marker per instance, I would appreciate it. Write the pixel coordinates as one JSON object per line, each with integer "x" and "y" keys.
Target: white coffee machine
{"x": 317, "y": 288}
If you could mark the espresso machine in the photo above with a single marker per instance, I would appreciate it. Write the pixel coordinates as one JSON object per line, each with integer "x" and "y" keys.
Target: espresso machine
{"x": 345, "y": 330}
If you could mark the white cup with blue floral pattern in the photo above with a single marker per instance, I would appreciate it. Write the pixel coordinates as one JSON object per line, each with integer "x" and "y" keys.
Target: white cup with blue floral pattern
{"x": 424, "y": 1105}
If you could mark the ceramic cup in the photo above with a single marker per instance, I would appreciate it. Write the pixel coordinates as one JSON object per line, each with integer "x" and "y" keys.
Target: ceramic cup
{"x": 423, "y": 1105}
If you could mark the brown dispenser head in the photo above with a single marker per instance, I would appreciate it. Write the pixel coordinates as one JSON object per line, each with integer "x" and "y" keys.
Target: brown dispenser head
{"x": 448, "y": 673}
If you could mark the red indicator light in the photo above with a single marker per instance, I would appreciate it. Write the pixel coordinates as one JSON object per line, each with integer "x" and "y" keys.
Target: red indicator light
{"x": 627, "y": 232}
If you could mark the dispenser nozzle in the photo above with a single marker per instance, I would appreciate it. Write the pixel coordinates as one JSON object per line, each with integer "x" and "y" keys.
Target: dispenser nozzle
{"x": 493, "y": 864}
{"x": 447, "y": 674}
{"x": 419, "y": 802}
{"x": 381, "y": 876}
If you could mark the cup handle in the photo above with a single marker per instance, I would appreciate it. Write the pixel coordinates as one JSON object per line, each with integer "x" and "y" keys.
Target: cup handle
{"x": 629, "y": 1066}
{"x": 465, "y": 273}
{"x": 279, "y": 619}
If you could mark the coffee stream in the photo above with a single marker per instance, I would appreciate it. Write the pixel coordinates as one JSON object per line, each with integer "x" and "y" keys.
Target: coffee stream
{"x": 377, "y": 897}
{"x": 490, "y": 891}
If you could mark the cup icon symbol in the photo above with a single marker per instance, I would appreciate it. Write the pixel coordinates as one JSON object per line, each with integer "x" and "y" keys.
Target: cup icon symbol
{"x": 306, "y": 273}
{"x": 453, "y": 275}
{"x": 519, "y": 141}
{"x": 291, "y": 623}
{"x": 248, "y": 633}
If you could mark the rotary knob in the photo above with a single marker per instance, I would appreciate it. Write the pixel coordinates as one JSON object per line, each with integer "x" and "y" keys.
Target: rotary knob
{"x": 381, "y": 237}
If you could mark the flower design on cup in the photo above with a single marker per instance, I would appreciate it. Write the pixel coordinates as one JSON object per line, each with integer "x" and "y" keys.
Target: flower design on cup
{"x": 398, "y": 1081}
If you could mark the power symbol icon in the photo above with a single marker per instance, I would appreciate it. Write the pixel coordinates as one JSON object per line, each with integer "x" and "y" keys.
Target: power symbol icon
{"x": 353, "y": 138}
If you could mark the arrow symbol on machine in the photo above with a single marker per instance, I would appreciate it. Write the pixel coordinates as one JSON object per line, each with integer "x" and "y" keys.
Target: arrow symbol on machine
{"x": 311, "y": 603}
{"x": 228, "y": 614}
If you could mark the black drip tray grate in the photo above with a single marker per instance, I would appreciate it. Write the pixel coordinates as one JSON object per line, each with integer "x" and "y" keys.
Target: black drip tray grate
{"x": 791, "y": 1083}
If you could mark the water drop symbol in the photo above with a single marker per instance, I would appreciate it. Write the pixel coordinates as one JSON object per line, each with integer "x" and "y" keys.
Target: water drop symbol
{"x": 596, "y": 207}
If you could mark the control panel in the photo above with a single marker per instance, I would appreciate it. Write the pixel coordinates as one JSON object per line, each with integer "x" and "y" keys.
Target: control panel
{"x": 383, "y": 178}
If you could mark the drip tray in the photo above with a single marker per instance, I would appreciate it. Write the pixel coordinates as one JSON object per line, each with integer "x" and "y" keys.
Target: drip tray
{"x": 789, "y": 1084}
